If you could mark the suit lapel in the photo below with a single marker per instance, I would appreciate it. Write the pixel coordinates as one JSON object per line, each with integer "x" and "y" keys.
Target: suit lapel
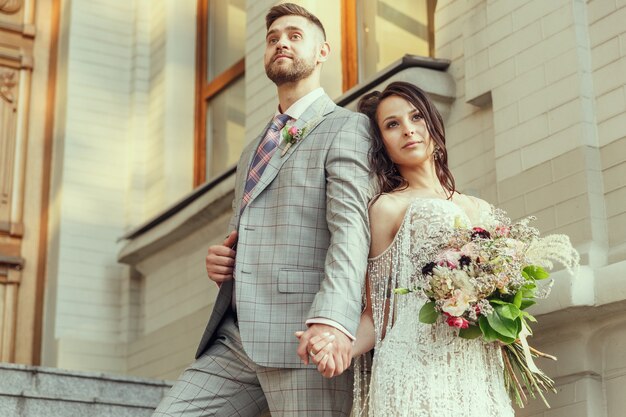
{"x": 320, "y": 108}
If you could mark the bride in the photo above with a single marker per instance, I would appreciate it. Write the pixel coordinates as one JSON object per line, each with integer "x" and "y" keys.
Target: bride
{"x": 418, "y": 369}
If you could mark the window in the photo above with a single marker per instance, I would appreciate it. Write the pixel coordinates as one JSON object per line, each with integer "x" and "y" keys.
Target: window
{"x": 366, "y": 36}
{"x": 376, "y": 33}
{"x": 220, "y": 99}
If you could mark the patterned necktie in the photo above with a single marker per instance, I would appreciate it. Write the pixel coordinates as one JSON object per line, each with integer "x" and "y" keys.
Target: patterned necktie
{"x": 263, "y": 154}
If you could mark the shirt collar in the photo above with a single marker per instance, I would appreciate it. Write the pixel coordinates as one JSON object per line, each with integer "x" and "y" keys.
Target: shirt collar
{"x": 297, "y": 109}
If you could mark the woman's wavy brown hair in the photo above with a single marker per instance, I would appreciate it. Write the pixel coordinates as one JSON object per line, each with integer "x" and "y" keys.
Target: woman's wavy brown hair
{"x": 387, "y": 174}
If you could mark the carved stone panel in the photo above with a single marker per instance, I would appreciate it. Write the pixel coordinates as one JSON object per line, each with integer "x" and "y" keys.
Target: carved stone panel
{"x": 10, "y": 6}
{"x": 12, "y": 14}
{"x": 18, "y": 288}
{"x": 9, "y": 80}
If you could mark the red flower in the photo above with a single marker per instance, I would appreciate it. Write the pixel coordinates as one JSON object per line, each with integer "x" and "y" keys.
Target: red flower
{"x": 479, "y": 232}
{"x": 458, "y": 322}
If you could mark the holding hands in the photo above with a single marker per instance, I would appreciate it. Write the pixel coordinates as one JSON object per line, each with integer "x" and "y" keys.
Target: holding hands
{"x": 327, "y": 347}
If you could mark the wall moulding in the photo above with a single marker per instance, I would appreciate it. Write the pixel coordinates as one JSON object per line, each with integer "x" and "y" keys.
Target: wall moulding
{"x": 8, "y": 322}
{"x": 14, "y": 57}
{"x": 9, "y": 79}
{"x": 9, "y": 268}
{"x": 14, "y": 91}
{"x": 17, "y": 16}
{"x": 10, "y": 6}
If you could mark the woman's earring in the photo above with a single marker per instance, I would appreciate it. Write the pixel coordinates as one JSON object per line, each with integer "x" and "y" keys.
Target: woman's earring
{"x": 437, "y": 153}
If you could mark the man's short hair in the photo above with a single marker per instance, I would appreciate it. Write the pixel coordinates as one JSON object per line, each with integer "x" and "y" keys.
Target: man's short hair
{"x": 290, "y": 9}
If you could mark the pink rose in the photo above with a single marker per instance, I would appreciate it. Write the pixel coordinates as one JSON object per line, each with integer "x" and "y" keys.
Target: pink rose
{"x": 448, "y": 258}
{"x": 293, "y": 131}
{"x": 502, "y": 231}
{"x": 458, "y": 322}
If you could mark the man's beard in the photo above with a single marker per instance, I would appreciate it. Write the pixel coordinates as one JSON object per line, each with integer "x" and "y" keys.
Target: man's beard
{"x": 298, "y": 70}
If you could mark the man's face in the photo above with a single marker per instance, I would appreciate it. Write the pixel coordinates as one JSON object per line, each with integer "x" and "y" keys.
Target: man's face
{"x": 292, "y": 48}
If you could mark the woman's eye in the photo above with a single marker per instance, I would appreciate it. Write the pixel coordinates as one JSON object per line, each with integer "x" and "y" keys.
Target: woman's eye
{"x": 417, "y": 116}
{"x": 392, "y": 124}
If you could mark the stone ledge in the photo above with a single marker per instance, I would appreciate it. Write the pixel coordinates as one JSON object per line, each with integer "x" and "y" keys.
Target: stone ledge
{"x": 180, "y": 224}
{"x": 21, "y": 384}
{"x": 591, "y": 288}
{"x": 82, "y": 374}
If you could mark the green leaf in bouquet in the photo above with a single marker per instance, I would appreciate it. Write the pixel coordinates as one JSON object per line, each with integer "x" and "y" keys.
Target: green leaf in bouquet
{"x": 528, "y": 290}
{"x": 401, "y": 291}
{"x": 517, "y": 300}
{"x": 502, "y": 325}
{"x": 428, "y": 313}
{"x": 508, "y": 311}
{"x": 505, "y": 340}
{"x": 489, "y": 334}
{"x": 536, "y": 272}
{"x": 498, "y": 301}
{"x": 472, "y": 332}
{"x": 526, "y": 304}
{"x": 529, "y": 317}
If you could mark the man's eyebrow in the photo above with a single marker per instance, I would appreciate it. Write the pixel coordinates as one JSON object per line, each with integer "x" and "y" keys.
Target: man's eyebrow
{"x": 287, "y": 29}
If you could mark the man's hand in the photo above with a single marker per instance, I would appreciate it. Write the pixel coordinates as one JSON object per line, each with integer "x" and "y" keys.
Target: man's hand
{"x": 338, "y": 355}
{"x": 221, "y": 259}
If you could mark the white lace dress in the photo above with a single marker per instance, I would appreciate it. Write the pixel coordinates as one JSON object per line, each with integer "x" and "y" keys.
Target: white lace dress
{"x": 420, "y": 369}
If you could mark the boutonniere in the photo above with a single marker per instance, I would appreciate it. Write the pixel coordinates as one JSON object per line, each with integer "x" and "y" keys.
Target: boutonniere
{"x": 292, "y": 135}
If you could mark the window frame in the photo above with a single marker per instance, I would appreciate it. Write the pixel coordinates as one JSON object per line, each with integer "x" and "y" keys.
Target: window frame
{"x": 206, "y": 90}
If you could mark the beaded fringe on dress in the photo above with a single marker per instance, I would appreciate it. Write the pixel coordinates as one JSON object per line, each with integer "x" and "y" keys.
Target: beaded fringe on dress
{"x": 422, "y": 370}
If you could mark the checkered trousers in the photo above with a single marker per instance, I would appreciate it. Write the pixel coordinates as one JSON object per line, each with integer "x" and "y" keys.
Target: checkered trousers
{"x": 225, "y": 382}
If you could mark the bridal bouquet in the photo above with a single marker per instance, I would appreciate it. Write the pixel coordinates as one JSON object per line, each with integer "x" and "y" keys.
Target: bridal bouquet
{"x": 482, "y": 281}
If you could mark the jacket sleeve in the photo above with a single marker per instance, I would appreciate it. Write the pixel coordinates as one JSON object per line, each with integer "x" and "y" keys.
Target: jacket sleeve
{"x": 348, "y": 192}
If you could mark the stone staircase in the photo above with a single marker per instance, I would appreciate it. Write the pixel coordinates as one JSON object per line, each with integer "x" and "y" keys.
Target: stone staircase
{"x": 29, "y": 391}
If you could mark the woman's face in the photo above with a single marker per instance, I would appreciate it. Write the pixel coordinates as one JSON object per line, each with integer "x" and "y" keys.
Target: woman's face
{"x": 404, "y": 132}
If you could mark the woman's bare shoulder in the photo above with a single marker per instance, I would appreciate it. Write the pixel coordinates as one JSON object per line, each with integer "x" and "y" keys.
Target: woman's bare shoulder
{"x": 385, "y": 214}
{"x": 384, "y": 205}
{"x": 479, "y": 202}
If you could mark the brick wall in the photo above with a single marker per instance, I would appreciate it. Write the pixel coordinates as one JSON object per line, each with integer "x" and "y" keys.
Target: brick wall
{"x": 526, "y": 104}
{"x": 90, "y": 168}
{"x": 540, "y": 116}
{"x": 123, "y": 155}
{"x": 608, "y": 42}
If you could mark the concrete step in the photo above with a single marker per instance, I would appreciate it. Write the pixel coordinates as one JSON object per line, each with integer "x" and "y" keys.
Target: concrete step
{"x": 31, "y": 391}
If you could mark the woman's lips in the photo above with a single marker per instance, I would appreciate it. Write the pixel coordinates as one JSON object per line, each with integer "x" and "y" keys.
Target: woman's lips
{"x": 412, "y": 144}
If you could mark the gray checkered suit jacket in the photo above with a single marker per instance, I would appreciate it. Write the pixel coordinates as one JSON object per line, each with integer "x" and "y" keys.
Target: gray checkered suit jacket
{"x": 303, "y": 237}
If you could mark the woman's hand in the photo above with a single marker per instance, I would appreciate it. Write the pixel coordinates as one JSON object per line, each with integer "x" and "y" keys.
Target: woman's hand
{"x": 320, "y": 350}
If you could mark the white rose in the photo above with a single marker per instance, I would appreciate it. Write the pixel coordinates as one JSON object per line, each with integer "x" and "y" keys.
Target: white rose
{"x": 457, "y": 304}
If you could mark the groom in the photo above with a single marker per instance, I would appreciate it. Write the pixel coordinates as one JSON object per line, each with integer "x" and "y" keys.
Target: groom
{"x": 297, "y": 253}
